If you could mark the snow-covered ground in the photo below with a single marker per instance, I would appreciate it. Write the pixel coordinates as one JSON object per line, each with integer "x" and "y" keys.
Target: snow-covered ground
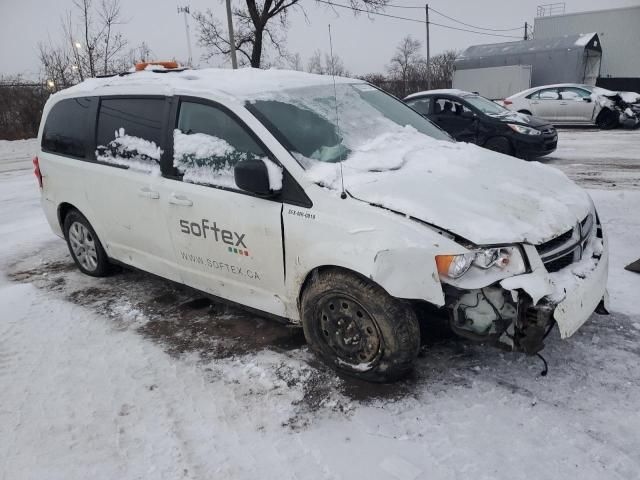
{"x": 130, "y": 377}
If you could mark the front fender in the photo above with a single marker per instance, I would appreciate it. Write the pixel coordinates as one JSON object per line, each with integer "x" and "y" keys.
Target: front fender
{"x": 410, "y": 273}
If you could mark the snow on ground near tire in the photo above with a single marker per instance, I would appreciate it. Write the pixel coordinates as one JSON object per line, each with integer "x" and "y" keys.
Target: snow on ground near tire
{"x": 130, "y": 377}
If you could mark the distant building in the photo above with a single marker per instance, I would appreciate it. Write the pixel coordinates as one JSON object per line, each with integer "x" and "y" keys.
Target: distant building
{"x": 491, "y": 69}
{"x": 619, "y": 31}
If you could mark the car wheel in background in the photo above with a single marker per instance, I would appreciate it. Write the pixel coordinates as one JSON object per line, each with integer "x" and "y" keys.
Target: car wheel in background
{"x": 607, "y": 119}
{"x": 500, "y": 145}
{"x": 526, "y": 112}
{"x": 84, "y": 245}
{"x": 355, "y": 326}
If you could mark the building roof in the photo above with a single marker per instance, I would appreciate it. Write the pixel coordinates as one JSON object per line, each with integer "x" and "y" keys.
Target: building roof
{"x": 566, "y": 42}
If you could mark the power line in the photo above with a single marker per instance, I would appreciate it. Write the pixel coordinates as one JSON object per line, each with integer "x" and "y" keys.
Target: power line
{"x": 414, "y": 7}
{"x": 474, "y": 26}
{"x": 472, "y": 31}
{"x": 355, "y": 9}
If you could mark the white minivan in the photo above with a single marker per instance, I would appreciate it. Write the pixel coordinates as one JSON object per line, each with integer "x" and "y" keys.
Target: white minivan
{"x": 324, "y": 202}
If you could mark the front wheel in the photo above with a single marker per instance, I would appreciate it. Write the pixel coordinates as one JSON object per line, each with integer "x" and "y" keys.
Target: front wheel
{"x": 607, "y": 119}
{"x": 358, "y": 328}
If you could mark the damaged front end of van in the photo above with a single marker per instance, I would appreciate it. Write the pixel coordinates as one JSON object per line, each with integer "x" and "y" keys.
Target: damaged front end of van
{"x": 513, "y": 295}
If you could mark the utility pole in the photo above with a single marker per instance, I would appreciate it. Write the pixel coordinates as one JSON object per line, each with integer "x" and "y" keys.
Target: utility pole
{"x": 426, "y": 11}
{"x": 526, "y": 31}
{"x": 232, "y": 42}
{"x": 185, "y": 11}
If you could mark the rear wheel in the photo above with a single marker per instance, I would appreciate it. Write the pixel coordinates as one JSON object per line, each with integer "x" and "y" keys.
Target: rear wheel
{"x": 607, "y": 119}
{"x": 358, "y": 328}
{"x": 500, "y": 145}
{"x": 84, "y": 245}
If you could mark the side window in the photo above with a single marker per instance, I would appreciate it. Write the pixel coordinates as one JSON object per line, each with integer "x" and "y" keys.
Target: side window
{"x": 575, "y": 94}
{"x": 208, "y": 143}
{"x": 445, "y": 106}
{"x": 130, "y": 133}
{"x": 549, "y": 94}
{"x": 421, "y": 106}
{"x": 65, "y": 127}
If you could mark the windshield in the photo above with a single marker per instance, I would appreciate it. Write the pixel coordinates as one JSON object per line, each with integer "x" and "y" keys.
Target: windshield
{"x": 486, "y": 106}
{"x": 307, "y": 122}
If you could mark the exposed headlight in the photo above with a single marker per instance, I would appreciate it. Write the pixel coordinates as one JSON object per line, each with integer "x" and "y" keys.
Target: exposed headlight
{"x": 524, "y": 130}
{"x": 481, "y": 267}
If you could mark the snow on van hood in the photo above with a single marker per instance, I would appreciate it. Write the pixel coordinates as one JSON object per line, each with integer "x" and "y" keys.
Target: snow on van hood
{"x": 482, "y": 196}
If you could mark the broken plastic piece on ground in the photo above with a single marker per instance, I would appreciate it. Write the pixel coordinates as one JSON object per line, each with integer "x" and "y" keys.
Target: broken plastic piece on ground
{"x": 634, "y": 266}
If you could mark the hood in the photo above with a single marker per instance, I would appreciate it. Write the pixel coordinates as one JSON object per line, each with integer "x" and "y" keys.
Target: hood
{"x": 482, "y": 196}
{"x": 522, "y": 119}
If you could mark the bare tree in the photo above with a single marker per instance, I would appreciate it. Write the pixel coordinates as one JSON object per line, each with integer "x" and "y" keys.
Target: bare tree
{"x": 324, "y": 64}
{"x": 256, "y": 22}
{"x": 91, "y": 43}
{"x": 294, "y": 62}
{"x": 406, "y": 60}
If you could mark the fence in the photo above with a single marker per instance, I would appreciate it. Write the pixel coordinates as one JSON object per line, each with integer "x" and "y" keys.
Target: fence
{"x": 20, "y": 109}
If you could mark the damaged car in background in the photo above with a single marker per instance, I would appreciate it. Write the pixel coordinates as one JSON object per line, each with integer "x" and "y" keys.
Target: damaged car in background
{"x": 578, "y": 104}
{"x": 322, "y": 202}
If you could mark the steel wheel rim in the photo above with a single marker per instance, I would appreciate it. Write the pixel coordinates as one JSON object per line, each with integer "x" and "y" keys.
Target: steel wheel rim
{"x": 83, "y": 246}
{"x": 348, "y": 330}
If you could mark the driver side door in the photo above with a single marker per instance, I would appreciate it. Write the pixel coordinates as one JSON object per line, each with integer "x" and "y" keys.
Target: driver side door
{"x": 227, "y": 242}
{"x": 456, "y": 119}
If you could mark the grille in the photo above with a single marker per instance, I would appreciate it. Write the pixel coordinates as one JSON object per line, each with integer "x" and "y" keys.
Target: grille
{"x": 563, "y": 250}
{"x": 554, "y": 242}
{"x": 559, "y": 263}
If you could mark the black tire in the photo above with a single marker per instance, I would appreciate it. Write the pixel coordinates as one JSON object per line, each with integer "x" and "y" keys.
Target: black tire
{"x": 100, "y": 267}
{"x": 500, "y": 145}
{"x": 383, "y": 334}
{"x": 526, "y": 112}
{"x": 607, "y": 119}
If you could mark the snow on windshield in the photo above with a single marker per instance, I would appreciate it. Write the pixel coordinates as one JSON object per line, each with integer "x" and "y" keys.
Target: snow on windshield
{"x": 132, "y": 152}
{"x": 320, "y": 124}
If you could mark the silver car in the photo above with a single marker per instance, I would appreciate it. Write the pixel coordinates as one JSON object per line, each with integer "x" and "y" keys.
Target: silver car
{"x": 564, "y": 104}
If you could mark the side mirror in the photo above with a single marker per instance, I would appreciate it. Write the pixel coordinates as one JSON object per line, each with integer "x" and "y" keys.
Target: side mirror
{"x": 253, "y": 176}
{"x": 469, "y": 115}
{"x": 586, "y": 99}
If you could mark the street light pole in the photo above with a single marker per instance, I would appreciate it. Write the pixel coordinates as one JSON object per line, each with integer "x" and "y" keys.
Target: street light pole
{"x": 185, "y": 11}
{"x": 426, "y": 12}
{"x": 232, "y": 42}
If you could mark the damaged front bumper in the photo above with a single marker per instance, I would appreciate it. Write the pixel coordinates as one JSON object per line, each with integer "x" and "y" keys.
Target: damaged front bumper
{"x": 517, "y": 313}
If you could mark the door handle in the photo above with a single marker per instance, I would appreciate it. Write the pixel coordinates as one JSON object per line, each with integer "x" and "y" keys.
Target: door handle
{"x": 179, "y": 200}
{"x": 146, "y": 192}
{"x": 564, "y": 103}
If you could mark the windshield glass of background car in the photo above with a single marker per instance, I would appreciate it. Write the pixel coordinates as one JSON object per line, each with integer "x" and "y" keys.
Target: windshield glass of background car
{"x": 304, "y": 119}
{"x": 487, "y": 106}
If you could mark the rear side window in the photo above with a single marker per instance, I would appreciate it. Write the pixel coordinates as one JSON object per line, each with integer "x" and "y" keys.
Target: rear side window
{"x": 130, "y": 133}
{"x": 208, "y": 143}
{"x": 65, "y": 127}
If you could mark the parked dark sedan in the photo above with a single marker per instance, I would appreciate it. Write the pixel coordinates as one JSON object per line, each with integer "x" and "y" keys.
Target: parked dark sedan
{"x": 469, "y": 117}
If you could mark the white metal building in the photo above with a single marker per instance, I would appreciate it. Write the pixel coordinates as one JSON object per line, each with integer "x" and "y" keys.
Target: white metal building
{"x": 619, "y": 32}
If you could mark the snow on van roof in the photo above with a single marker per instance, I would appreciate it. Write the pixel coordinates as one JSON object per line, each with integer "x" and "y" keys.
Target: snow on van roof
{"x": 241, "y": 84}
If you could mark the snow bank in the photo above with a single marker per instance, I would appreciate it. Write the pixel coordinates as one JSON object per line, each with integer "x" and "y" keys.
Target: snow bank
{"x": 133, "y": 152}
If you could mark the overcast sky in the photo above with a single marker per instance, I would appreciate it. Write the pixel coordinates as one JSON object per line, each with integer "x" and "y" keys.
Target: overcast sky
{"x": 364, "y": 43}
